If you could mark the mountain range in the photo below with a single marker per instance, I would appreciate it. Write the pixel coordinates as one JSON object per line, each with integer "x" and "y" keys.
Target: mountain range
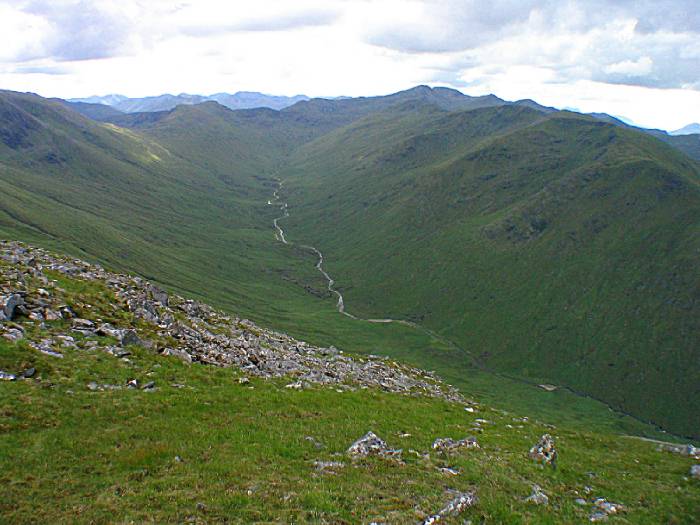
{"x": 515, "y": 243}
{"x": 239, "y": 100}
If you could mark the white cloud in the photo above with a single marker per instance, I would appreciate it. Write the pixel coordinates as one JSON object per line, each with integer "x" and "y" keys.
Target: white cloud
{"x": 599, "y": 55}
{"x": 631, "y": 68}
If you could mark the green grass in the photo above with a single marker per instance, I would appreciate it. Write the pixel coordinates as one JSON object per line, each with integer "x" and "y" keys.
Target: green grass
{"x": 70, "y": 455}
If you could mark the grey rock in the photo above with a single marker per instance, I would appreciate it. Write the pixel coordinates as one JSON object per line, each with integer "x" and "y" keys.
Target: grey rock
{"x": 6, "y": 376}
{"x": 371, "y": 444}
{"x": 449, "y": 444}
{"x": 695, "y": 471}
{"x": 179, "y": 353}
{"x": 82, "y": 324}
{"x": 538, "y": 497}
{"x": 28, "y": 373}
{"x": 129, "y": 337}
{"x": 603, "y": 508}
{"x": 458, "y": 504}
{"x": 10, "y": 304}
{"x": 149, "y": 386}
{"x": 13, "y": 334}
{"x": 107, "y": 330}
{"x": 328, "y": 467}
{"x": 159, "y": 295}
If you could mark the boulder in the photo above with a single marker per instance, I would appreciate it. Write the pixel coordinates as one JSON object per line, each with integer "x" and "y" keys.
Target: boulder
{"x": 9, "y": 305}
{"x": 129, "y": 337}
{"x": 159, "y": 295}
{"x": 179, "y": 353}
{"x": 371, "y": 444}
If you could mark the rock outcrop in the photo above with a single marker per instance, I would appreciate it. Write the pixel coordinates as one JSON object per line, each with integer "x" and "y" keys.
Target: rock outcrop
{"x": 186, "y": 329}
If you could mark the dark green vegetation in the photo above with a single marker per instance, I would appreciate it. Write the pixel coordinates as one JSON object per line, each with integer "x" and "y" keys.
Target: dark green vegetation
{"x": 547, "y": 245}
{"x": 554, "y": 246}
{"x": 205, "y": 448}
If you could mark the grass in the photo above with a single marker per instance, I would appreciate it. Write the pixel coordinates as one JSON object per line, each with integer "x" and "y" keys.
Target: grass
{"x": 203, "y": 447}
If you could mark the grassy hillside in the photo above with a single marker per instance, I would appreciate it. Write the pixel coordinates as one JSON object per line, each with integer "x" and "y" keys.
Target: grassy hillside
{"x": 206, "y": 444}
{"x": 556, "y": 247}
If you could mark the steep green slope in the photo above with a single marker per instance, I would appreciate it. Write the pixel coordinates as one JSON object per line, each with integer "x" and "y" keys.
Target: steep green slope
{"x": 189, "y": 443}
{"x": 557, "y": 247}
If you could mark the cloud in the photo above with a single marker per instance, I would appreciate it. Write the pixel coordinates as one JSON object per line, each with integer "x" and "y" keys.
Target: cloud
{"x": 286, "y": 22}
{"x": 516, "y": 48}
{"x": 639, "y": 42}
{"x": 71, "y": 30}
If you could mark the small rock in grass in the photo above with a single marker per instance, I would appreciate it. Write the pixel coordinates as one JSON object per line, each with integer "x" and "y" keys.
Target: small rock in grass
{"x": 6, "y": 376}
{"x": 297, "y": 385}
{"x": 695, "y": 471}
{"x": 328, "y": 467}
{"x": 449, "y": 444}
{"x": 149, "y": 386}
{"x": 29, "y": 372}
{"x": 371, "y": 444}
{"x": 537, "y": 497}
{"x": 48, "y": 351}
{"x": 580, "y": 501}
{"x": 603, "y": 508}
{"x": 13, "y": 335}
{"x": 456, "y": 505}
{"x": 132, "y": 383}
{"x": 544, "y": 451}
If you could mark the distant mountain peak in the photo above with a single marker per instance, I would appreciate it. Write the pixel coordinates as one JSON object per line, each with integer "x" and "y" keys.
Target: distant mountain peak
{"x": 690, "y": 129}
{"x": 168, "y": 101}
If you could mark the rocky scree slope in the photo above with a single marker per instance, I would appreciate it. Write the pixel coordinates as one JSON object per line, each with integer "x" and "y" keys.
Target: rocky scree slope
{"x": 187, "y": 329}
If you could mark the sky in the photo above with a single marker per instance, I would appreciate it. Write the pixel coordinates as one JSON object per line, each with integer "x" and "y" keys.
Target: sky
{"x": 637, "y": 59}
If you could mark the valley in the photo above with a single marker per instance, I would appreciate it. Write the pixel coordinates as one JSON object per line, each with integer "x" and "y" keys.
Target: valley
{"x": 467, "y": 216}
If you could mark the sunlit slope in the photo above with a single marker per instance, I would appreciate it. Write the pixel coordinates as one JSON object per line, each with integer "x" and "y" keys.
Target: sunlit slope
{"x": 557, "y": 247}
{"x": 184, "y": 207}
